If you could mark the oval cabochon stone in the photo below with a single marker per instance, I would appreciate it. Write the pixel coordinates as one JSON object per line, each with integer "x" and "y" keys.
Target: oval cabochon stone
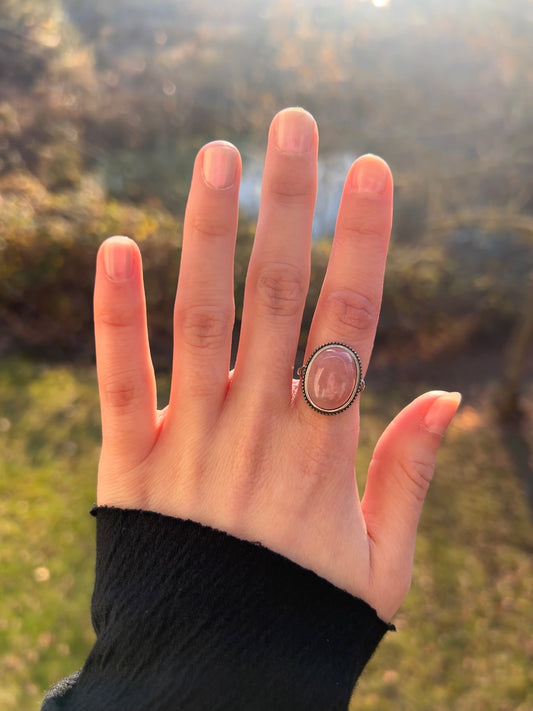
{"x": 332, "y": 377}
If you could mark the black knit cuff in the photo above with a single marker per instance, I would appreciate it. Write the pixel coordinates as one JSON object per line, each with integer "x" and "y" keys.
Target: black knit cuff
{"x": 191, "y": 618}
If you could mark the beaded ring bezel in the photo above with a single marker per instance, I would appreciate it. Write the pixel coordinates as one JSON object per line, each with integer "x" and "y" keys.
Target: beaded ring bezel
{"x": 359, "y": 382}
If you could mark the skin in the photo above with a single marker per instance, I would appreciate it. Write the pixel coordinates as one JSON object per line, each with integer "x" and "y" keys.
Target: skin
{"x": 241, "y": 451}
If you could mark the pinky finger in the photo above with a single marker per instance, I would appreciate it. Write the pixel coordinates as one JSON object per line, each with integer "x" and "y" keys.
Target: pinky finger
{"x": 125, "y": 373}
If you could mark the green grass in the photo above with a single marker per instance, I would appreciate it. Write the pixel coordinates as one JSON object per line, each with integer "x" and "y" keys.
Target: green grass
{"x": 49, "y": 436}
{"x": 464, "y": 638}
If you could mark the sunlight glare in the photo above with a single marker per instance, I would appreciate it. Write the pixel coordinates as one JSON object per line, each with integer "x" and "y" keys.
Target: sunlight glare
{"x": 380, "y": 3}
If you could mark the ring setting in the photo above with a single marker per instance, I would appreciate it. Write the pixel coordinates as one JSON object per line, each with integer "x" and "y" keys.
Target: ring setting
{"x": 332, "y": 378}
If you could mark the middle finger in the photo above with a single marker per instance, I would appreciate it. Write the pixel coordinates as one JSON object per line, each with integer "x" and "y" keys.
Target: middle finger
{"x": 278, "y": 274}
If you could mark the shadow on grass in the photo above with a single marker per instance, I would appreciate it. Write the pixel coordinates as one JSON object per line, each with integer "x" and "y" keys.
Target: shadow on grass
{"x": 519, "y": 449}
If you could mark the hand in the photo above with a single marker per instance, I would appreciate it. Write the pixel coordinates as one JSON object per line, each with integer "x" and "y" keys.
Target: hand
{"x": 242, "y": 451}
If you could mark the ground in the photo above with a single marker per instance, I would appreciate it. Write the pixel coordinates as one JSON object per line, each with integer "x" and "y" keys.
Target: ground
{"x": 463, "y": 639}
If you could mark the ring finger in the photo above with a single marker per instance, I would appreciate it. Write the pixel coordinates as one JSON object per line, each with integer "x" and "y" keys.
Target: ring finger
{"x": 350, "y": 299}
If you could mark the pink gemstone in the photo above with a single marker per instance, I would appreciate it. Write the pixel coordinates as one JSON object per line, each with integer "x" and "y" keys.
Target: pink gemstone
{"x": 331, "y": 378}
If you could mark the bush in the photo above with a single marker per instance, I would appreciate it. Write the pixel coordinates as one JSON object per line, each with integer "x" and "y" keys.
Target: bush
{"x": 48, "y": 245}
{"x": 438, "y": 295}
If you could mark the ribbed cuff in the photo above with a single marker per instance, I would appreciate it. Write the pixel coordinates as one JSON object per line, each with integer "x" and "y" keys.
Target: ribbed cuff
{"x": 194, "y": 619}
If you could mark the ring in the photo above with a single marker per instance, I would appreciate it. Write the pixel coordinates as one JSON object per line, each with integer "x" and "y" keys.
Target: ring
{"x": 332, "y": 378}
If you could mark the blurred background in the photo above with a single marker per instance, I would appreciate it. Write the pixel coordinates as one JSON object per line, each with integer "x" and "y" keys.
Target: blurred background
{"x": 103, "y": 106}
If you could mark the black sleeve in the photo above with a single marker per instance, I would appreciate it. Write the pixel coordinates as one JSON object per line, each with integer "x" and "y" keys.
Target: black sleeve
{"x": 188, "y": 618}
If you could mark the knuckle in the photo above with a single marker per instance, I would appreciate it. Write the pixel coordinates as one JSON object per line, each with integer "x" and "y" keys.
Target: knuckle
{"x": 364, "y": 225}
{"x": 121, "y": 392}
{"x": 281, "y": 290}
{"x": 208, "y": 224}
{"x": 205, "y": 327}
{"x": 116, "y": 316}
{"x": 415, "y": 477}
{"x": 292, "y": 187}
{"x": 352, "y": 310}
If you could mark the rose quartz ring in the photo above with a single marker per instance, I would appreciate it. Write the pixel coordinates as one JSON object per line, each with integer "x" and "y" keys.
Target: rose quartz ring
{"x": 332, "y": 378}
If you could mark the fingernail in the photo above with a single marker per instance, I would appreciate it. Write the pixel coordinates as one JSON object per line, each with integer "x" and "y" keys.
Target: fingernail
{"x": 118, "y": 258}
{"x": 370, "y": 174}
{"x": 295, "y": 131}
{"x": 441, "y": 412}
{"x": 220, "y": 165}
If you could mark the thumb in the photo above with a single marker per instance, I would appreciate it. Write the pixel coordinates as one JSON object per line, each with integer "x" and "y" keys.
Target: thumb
{"x": 398, "y": 479}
